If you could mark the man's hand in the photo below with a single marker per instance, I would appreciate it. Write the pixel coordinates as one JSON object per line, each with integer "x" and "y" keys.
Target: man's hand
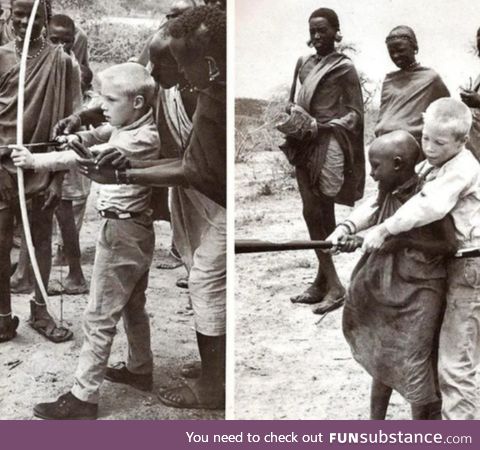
{"x": 350, "y": 243}
{"x": 288, "y": 107}
{"x": 113, "y": 158}
{"x": 7, "y": 187}
{"x": 22, "y": 157}
{"x": 80, "y": 149}
{"x": 375, "y": 238}
{"x": 102, "y": 175}
{"x": 69, "y": 125}
{"x": 470, "y": 98}
{"x": 53, "y": 193}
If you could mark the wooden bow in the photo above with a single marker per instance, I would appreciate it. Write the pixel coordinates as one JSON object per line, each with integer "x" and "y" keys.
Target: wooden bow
{"x": 20, "y": 177}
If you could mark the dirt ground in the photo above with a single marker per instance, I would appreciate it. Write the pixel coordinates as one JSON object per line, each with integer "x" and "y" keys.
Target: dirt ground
{"x": 34, "y": 370}
{"x": 289, "y": 364}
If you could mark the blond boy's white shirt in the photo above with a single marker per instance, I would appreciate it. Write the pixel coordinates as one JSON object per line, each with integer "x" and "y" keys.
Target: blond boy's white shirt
{"x": 453, "y": 188}
{"x": 138, "y": 140}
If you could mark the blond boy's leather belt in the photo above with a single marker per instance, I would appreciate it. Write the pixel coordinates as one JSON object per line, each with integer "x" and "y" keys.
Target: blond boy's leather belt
{"x": 468, "y": 253}
{"x": 119, "y": 215}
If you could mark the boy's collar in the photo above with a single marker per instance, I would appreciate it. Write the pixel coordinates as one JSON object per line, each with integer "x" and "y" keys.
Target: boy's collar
{"x": 425, "y": 166}
{"x": 139, "y": 122}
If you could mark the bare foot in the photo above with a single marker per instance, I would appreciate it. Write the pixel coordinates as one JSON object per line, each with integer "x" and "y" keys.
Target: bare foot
{"x": 8, "y": 328}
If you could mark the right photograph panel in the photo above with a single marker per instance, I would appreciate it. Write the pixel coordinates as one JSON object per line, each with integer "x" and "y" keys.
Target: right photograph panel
{"x": 357, "y": 141}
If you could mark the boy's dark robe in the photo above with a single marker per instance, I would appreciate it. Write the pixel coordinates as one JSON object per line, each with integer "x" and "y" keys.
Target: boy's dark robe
{"x": 48, "y": 98}
{"x": 331, "y": 93}
{"x": 394, "y": 310}
{"x": 204, "y": 161}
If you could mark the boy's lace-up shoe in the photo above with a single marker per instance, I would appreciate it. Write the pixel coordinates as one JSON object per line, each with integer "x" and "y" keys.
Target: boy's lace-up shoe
{"x": 66, "y": 407}
{"x": 120, "y": 374}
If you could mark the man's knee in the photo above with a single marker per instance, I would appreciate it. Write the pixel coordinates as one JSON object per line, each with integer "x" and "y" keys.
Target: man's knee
{"x": 312, "y": 214}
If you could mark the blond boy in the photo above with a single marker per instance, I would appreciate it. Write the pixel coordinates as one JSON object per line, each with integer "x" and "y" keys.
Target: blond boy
{"x": 124, "y": 248}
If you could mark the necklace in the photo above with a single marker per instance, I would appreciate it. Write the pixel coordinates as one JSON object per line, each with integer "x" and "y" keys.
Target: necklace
{"x": 412, "y": 66}
{"x": 40, "y": 50}
{"x": 187, "y": 88}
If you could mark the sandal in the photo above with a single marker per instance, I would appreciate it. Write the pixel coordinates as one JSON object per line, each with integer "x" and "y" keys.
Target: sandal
{"x": 59, "y": 290}
{"x": 182, "y": 283}
{"x": 10, "y": 330}
{"x": 329, "y": 305}
{"x": 170, "y": 262}
{"x": 313, "y": 294}
{"x": 185, "y": 396}
{"x": 48, "y": 328}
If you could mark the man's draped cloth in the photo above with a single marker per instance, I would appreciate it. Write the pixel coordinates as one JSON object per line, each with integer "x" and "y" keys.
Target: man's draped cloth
{"x": 6, "y": 32}
{"x": 205, "y": 159}
{"x": 331, "y": 93}
{"x": 191, "y": 211}
{"x": 406, "y": 94}
{"x": 394, "y": 310}
{"x": 473, "y": 143}
{"x": 48, "y": 98}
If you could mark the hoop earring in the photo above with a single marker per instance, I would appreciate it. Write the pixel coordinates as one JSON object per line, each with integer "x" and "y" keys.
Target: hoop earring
{"x": 213, "y": 70}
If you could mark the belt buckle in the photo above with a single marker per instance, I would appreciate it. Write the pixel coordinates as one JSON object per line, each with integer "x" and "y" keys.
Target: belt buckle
{"x": 124, "y": 215}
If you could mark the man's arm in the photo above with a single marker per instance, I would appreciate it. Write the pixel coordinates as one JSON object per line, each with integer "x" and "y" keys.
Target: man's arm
{"x": 71, "y": 124}
{"x": 164, "y": 172}
{"x": 168, "y": 172}
{"x": 139, "y": 164}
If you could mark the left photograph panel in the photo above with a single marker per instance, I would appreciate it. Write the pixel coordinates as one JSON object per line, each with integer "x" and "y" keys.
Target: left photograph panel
{"x": 112, "y": 209}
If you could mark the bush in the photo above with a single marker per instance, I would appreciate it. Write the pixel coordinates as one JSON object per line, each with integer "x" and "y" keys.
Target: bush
{"x": 255, "y": 127}
{"x": 113, "y": 42}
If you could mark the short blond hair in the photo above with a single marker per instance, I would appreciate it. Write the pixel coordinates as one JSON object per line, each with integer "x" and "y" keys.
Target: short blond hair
{"x": 132, "y": 79}
{"x": 452, "y": 114}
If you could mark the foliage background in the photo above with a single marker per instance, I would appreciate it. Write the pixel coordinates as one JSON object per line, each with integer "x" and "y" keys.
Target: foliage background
{"x": 114, "y": 42}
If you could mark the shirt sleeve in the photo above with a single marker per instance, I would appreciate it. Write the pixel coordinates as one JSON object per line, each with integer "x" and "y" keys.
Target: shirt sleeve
{"x": 99, "y": 135}
{"x": 436, "y": 199}
{"x": 364, "y": 215}
{"x": 55, "y": 161}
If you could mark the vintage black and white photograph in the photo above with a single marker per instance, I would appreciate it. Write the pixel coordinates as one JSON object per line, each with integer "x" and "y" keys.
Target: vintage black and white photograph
{"x": 112, "y": 209}
{"x": 357, "y": 211}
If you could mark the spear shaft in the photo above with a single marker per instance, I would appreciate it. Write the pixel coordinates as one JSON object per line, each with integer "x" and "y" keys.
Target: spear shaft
{"x": 259, "y": 246}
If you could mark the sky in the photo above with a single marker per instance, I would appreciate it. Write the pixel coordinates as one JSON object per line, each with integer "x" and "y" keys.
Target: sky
{"x": 270, "y": 35}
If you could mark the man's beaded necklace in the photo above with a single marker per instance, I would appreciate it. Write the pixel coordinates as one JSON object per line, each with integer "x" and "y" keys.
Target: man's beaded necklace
{"x": 18, "y": 51}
